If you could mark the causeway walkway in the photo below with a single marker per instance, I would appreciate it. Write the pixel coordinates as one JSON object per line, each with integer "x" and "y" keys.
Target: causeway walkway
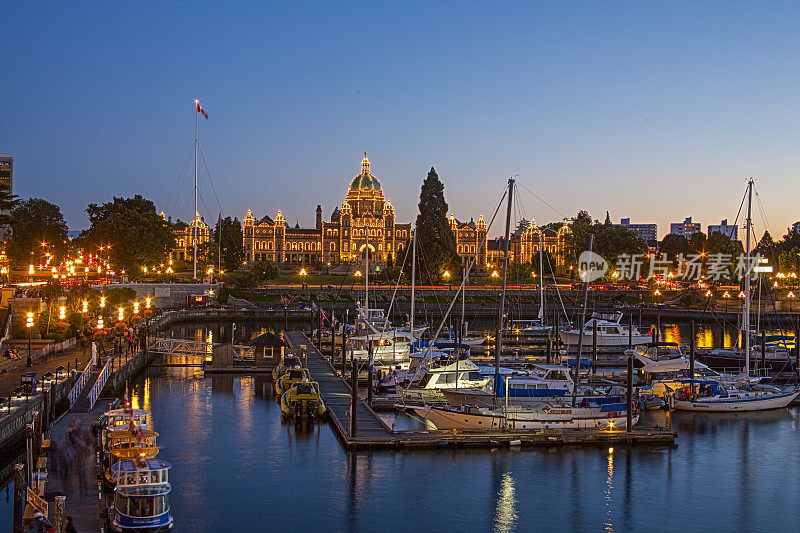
{"x": 370, "y": 429}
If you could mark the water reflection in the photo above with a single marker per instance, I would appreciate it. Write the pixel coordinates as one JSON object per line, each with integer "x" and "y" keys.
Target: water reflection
{"x": 505, "y": 517}
{"x": 608, "y": 525}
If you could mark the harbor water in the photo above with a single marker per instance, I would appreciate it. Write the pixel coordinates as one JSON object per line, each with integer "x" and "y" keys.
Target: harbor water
{"x": 237, "y": 467}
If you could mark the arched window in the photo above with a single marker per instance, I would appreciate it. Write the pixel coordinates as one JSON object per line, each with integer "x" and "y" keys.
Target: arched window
{"x": 472, "y": 249}
{"x": 332, "y": 247}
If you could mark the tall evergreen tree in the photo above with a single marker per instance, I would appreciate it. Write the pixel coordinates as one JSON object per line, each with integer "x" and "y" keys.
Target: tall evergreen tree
{"x": 230, "y": 231}
{"x": 436, "y": 244}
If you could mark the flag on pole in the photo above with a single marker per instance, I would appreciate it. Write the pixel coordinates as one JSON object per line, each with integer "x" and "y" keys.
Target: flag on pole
{"x": 201, "y": 110}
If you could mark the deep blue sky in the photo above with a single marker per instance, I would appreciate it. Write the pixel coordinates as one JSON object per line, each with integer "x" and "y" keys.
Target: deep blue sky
{"x": 654, "y": 111}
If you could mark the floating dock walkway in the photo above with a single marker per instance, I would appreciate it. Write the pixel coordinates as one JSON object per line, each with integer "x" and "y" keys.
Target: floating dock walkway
{"x": 373, "y": 433}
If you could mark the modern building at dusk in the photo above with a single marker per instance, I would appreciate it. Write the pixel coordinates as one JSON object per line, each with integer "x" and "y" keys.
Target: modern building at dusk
{"x": 646, "y": 232}
{"x": 686, "y": 228}
{"x": 726, "y": 229}
{"x": 7, "y": 183}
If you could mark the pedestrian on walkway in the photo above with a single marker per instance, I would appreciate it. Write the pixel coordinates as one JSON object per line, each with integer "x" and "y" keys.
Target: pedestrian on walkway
{"x": 69, "y": 527}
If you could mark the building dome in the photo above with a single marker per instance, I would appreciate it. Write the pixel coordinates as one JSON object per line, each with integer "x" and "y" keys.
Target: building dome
{"x": 365, "y": 181}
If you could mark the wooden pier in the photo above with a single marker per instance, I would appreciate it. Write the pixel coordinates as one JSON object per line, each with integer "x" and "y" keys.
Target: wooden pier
{"x": 373, "y": 433}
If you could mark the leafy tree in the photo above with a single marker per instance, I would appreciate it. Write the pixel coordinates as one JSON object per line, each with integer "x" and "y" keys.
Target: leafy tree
{"x": 263, "y": 271}
{"x": 8, "y": 202}
{"x": 138, "y": 235}
{"x": 36, "y": 221}
{"x": 548, "y": 264}
{"x": 436, "y": 240}
{"x": 697, "y": 242}
{"x": 611, "y": 241}
{"x": 230, "y": 231}
{"x": 673, "y": 245}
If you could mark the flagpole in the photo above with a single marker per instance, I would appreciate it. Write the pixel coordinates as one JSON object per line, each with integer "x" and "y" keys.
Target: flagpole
{"x": 219, "y": 245}
{"x": 194, "y": 238}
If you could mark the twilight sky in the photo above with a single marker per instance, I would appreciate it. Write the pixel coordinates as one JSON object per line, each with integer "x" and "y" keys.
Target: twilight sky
{"x": 654, "y": 111}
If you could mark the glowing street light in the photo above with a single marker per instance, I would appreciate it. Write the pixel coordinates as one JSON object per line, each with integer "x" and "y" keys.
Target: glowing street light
{"x": 147, "y": 303}
{"x": 135, "y": 308}
{"x": 103, "y": 302}
{"x": 303, "y": 272}
{"x": 495, "y": 274}
{"x": 62, "y": 313}
{"x": 30, "y": 269}
{"x": 85, "y": 307}
{"x": 121, "y": 314}
{"x": 29, "y": 326}
{"x": 99, "y": 323}
{"x": 357, "y": 274}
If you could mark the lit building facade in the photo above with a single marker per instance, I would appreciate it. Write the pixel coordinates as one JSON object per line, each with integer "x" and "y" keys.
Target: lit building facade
{"x": 184, "y": 238}
{"x": 366, "y": 220}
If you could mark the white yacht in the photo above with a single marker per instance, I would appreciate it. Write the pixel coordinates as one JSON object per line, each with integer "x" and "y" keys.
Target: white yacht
{"x": 610, "y": 332}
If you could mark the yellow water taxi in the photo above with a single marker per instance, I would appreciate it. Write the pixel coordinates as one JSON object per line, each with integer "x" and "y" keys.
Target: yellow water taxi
{"x": 289, "y": 378}
{"x": 302, "y": 401}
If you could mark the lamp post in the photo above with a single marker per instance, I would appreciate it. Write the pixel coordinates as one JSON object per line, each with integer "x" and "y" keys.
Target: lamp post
{"x": 447, "y": 279}
{"x": 28, "y": 326}
{"x": 791, "y": 297}
{"x": 726, "y": 297}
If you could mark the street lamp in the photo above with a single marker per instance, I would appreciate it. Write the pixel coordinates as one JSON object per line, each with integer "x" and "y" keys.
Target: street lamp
{"x": 791, "y": 297}
{"x": 447, "y": 278}
{"x": 102, "y": 302}
{"x": 62, "y": 313}
{"x": 99, "y": 323}
{"x": 135, "y": 308}
{"x": 121, "y": 314}
{"x": 726, "y": 296}
{"x": 147, "y": 303}
{"x": 28, "y": 326}
{"x": 85, "y": 307}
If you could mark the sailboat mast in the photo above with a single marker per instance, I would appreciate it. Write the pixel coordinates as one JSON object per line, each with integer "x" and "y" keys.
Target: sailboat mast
{"x": 194, "y": 233}
{"x": 541, "y": 282}
{"x": 463, "y": 299}
{"x": 746, "y": 317}
{"x": 499, "y": 341}
{"x": 413, "y": 280}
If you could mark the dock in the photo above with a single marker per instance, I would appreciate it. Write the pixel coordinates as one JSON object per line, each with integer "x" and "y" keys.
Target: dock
{"x": 373, "y": 433}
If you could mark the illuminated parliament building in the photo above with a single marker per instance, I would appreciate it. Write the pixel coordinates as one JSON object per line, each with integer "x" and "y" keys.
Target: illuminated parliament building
{"x": 366, "y": 220}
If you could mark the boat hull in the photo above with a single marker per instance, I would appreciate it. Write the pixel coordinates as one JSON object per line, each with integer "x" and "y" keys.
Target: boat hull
{"x": 453, "y": 419}
{"x": 570, "y": 338}
{"x": 729, "y": 405}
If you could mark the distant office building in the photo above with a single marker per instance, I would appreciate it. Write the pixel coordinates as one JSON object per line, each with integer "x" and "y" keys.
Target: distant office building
{"x": 724, "y": 228}
{"x": 687, "y": 228}
{"x": 646, "y": 232}
{"x": 7, "y": 183}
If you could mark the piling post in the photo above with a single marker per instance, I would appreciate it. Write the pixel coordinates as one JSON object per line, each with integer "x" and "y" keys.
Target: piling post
{"x": 549, "y": 350}
{"x": 319, "y": 332}
{"x": 653, "y": 333}
{"x": 344, "y": 346}
{"x": 797, "y": 345}
{"x": 658, "y": 326}
{"x": 630, "y": 331}
{"x": 333, "y": 339}
{"x": 692, "y": 343}
{"x": 594, "y": 350}
{"x": 353, "y": 396}
{"x": 58, "y": 514}
{"x": 369, "y": 377}
{"x": 19, "y": 497}
{"x": 629, "y": 396}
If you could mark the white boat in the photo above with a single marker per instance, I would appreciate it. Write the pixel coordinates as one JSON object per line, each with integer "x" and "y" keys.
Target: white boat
{"x": 141, "y": 497}
{"x": 543, "y": 416}
{"x": 529, "y": 327}
{"x": 442, "y": 371}
{"x": 610, "y": 332}
{"x": 705, "y": 395}
{"x": 387, "y": 348}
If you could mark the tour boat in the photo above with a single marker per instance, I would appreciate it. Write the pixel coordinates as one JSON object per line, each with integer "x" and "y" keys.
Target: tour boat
{"x": 302, "y": 401}
{"x": 289, "y": 378}
{"x": 124, "y": 418}
{"x": 544, "y": 416}
{"x": 610, "y": 332}
{"x": 390, "y": 347}
{"x": 707, "y": 395}
{"x": 287, "y": 361}
{"x": 124, "y": 444}
{"x": 141, "y": 496}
